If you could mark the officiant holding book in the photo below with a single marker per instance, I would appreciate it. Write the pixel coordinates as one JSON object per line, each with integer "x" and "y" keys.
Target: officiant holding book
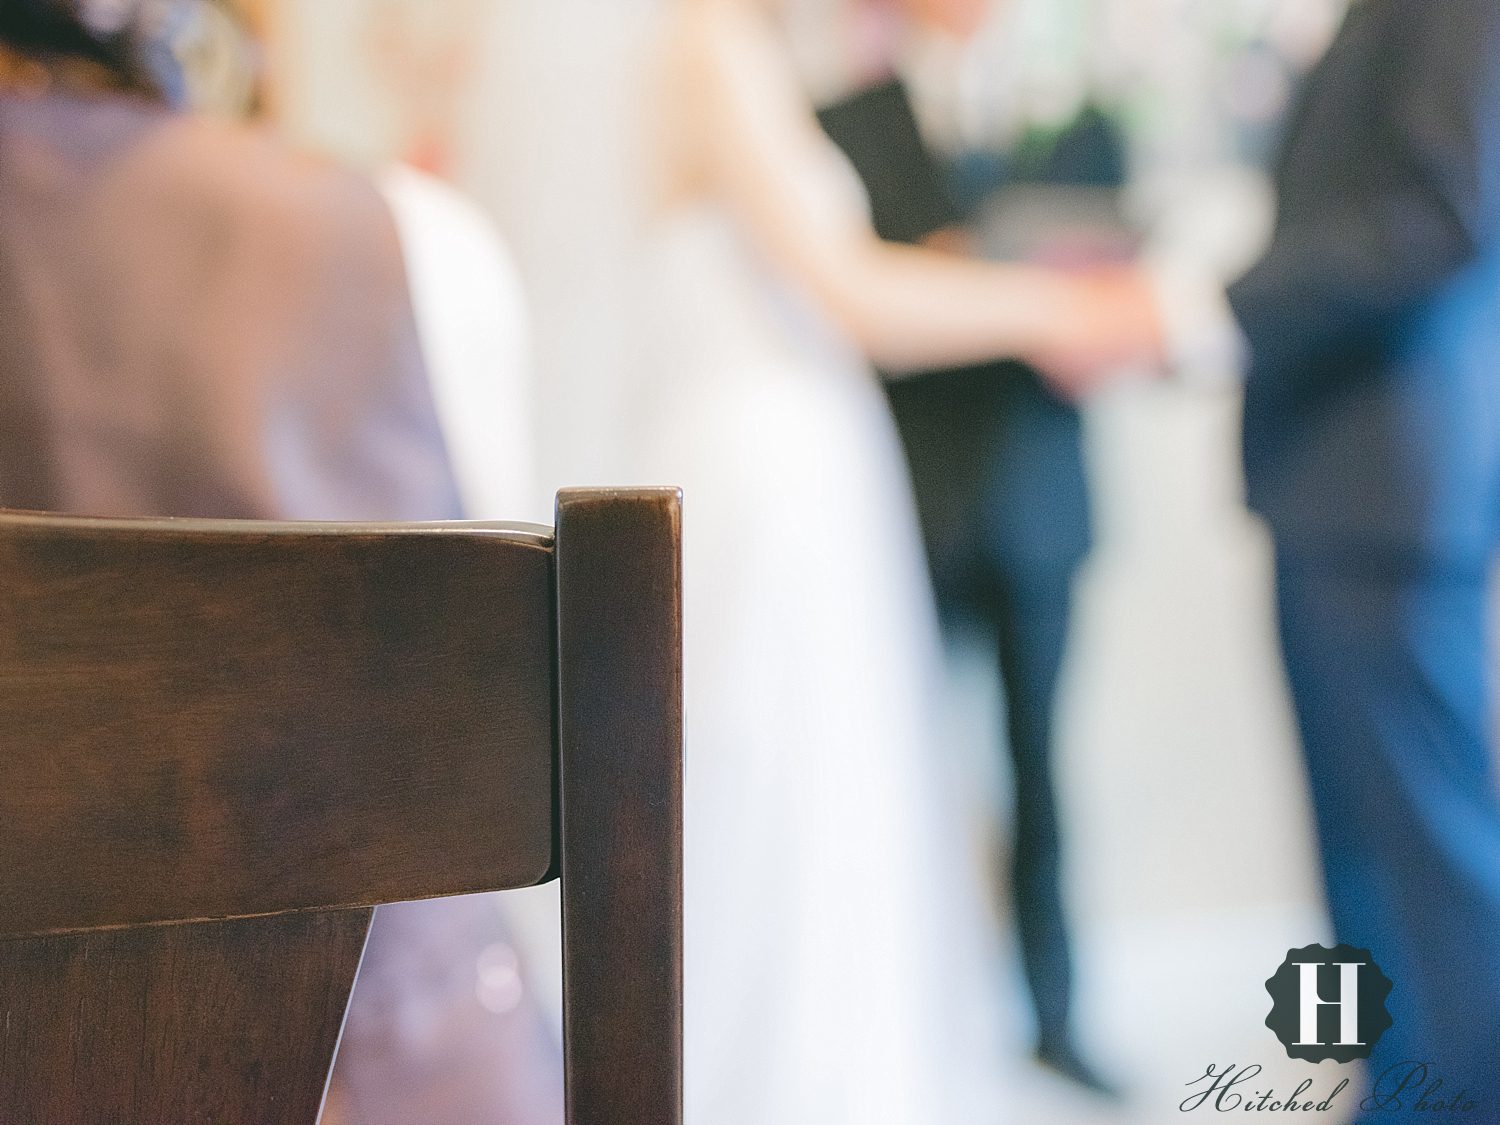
{"x": 996, "y": 457}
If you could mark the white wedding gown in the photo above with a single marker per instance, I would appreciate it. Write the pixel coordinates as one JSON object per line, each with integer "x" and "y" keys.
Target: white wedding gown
{"x": 826, "y": 924}
{"x": 831, "y": 917}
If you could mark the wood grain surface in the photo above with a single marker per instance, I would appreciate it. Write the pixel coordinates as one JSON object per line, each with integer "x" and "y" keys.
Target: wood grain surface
{"x": 222, "y": 742}
{"x": 218, "y": 720}
{"x": 619, "y": 582}
{"x": 217, "y": 1023}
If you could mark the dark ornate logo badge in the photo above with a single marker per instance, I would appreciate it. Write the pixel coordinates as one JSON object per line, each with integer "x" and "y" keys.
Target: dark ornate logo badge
{"x": 1329, "y": 1003}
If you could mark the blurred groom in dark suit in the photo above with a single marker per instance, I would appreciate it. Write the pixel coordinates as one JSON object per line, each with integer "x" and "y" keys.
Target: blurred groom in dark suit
{"x": 1372, "y": 449}
{"x": 997, "y": 466}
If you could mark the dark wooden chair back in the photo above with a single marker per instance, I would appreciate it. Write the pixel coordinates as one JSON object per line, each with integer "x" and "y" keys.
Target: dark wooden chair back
{"x": 222, "y": 744}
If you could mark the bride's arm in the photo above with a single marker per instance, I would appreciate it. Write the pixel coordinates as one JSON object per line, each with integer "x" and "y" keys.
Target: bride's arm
{"x": 906, "y": 307}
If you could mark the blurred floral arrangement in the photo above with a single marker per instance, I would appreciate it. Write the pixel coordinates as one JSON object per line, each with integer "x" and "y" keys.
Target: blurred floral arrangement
{"x": 1186, "y": 81}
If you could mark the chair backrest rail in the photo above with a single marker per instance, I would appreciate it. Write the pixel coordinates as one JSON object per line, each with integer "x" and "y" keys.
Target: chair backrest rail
{"x": 223, "y": 743}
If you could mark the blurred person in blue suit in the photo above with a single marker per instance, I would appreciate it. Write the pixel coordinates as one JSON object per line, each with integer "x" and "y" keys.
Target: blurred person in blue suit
{"x": 998, "y": 470}
{"x": 1372, "y": 450}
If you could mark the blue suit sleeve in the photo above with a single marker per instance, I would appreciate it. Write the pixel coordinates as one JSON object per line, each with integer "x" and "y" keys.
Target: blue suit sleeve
{"x": 1381, "y": 221}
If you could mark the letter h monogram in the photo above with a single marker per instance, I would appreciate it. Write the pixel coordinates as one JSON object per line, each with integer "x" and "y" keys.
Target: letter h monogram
{"x": 1347, "y": 1003}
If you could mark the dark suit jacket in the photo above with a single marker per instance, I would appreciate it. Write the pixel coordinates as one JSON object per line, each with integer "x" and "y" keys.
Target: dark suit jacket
{"x": 996, "y": 460}
{"x": 1372, "y": 416}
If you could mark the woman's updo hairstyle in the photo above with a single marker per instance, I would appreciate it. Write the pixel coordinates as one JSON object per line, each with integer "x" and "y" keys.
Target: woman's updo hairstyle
{"x": 128, "y": 39}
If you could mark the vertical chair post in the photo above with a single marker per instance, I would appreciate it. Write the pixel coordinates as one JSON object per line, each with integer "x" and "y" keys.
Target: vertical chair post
{"x": 618, "y": 558}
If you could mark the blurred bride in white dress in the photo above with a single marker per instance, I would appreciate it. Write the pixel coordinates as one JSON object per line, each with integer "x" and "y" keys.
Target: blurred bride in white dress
{"x": 829, "y": 918}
